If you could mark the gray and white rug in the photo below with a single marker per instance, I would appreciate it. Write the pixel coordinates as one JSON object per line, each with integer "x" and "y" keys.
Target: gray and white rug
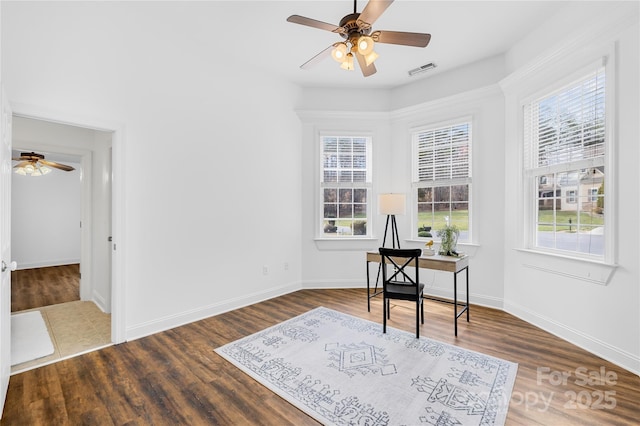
{"x": 342, "y": 370}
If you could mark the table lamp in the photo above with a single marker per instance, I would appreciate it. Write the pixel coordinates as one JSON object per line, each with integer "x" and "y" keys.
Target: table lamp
{"x": 391, "y": 205}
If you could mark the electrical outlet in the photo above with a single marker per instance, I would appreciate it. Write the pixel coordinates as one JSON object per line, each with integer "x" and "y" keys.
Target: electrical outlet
{"x": 286, "y": 266}
{"x": 265, "y": 270}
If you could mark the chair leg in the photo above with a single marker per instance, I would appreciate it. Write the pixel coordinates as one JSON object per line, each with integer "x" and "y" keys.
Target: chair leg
{"x": 422, "y": 308}
{"x": 384, "y": 315}
{"x": 417, "y": 319}
{"x": 388, "y": 309}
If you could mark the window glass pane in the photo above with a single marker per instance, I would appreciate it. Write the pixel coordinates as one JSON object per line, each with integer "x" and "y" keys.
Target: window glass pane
{"x": 360, "y": 227}
{"x": 425, "y": 194}
{"x": 329, "y": 227}
{"x": 452, "y": 205}
{"x": 330, "y": 195}
{"x": 570, "y": 213}
{"x": 345, "y": 211}
{"x": 360, "y": 195}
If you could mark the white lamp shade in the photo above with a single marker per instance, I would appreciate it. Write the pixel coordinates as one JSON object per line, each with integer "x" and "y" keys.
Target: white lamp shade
{"x": 339, "y": 53}
{"x": 348, "y": 62}
{"x": 391, "y": 204}
{"x": 365, "y": 45}
{"x": 370, "y": 58}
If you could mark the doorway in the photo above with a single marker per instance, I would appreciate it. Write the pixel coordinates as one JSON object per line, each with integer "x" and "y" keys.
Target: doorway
{"x": 87, "y": 223}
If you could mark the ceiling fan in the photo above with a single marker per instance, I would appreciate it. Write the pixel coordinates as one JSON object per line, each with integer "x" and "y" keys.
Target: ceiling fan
{"x": 356, "y": 28}
{"x": 35, "y": 165}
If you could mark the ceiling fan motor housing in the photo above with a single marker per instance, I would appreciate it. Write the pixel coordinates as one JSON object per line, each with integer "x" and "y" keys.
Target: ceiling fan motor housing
{"x": 351, "y": 27}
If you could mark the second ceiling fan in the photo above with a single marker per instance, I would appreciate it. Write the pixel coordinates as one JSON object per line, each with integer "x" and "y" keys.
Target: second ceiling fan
{"x": 359, "y": 40}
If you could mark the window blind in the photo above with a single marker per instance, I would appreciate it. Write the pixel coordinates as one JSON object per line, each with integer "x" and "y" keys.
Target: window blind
{"x": 344, "y": 159}
{"x": 567, "y": 126}
{"x": 444, "y": 153}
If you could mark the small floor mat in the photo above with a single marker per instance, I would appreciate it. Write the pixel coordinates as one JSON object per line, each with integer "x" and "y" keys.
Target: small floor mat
{"x": 29, "y": 337}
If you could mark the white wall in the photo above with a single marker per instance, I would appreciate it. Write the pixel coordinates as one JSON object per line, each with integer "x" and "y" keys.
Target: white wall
{"x": 563, "y": 295}
{"x": 211, "y": 152}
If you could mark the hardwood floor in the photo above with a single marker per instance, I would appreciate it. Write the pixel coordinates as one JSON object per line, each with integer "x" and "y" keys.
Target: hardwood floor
{"x": 38, "y": 287}
{"x": 175, "y": 377}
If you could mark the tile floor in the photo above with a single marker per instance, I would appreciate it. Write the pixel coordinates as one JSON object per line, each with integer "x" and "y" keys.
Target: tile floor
{"x": 75, "y": 328}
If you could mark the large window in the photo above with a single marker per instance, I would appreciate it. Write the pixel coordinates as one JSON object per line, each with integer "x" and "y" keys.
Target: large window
{"x": 565, "y": 167}
{"x": 345, "y": 186}
{"x": 442, "y": 179}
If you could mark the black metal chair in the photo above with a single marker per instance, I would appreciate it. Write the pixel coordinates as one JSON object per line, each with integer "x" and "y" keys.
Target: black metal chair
{"x": 401, "y": 281}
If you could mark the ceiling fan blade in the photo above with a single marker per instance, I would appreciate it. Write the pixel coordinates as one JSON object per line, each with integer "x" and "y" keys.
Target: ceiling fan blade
{"x": 57, "y": 165}
{"x": 319, "y": 57}
{"x": 403, "y": 38}
{"x": 372, "y": 12}
{"x": 297, "y": 19}
{"x": 367, "y": 70}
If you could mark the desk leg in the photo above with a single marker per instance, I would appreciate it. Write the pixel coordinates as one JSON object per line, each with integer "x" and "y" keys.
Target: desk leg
{"x": 455, "y": 303}
{"x": 368, "y": 297}
{"x": 467, "y": 294}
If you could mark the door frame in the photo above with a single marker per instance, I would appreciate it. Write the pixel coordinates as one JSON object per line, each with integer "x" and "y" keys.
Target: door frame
{"x": 118, "y": 323}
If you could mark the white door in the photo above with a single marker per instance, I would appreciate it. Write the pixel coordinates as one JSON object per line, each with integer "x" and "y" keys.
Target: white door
{"x": 5, "y": 248}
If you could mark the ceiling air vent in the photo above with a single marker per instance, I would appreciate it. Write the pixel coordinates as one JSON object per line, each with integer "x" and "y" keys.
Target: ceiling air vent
{"x": 422, "y": 68}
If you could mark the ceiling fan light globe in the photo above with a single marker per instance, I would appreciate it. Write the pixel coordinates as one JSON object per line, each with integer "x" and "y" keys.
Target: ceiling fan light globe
{"x": 339, "y": 53}
{"x": 348, "y": 63}
{"x": 29, "y": 169}
{"x": 20, "y": 171}
{"x": 365, "y": 45}
{"x": 370, "y": 58}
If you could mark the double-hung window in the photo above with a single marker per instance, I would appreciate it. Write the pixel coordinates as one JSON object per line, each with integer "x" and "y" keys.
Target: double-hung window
{"x": 564, "y": 167}
{"x": 442, "y": 178}
{"x": 345, "y": 186}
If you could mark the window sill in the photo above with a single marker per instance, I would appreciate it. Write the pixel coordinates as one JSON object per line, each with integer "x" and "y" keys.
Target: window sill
{"x": 593, "y": 271}
{"x": 346, "y": 243}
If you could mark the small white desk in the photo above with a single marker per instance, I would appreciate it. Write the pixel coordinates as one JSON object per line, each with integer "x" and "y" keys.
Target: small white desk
{"x": 436, "y": 262}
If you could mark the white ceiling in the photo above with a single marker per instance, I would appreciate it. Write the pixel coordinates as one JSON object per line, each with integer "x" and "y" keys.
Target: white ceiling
{"x": 462, "y": 32}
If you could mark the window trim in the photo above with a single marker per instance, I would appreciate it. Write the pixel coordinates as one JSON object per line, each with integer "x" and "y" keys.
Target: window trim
{"x": 415, "y": 182}
{"x": 320, "y": 186}
{"x": 529, "y": 185}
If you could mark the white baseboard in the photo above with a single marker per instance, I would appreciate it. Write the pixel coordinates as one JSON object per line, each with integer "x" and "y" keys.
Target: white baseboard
{"x": 330, "y": 284}
{"x": 100, "y": 302}
{"x": 476, "y": 299}
{"x": 172, "y": 321}
{"x": 47, "y": 263}
{"x": 589, "y": 343}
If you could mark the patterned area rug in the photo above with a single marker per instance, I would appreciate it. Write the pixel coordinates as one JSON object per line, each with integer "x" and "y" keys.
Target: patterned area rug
{"x": 341, "y": 370}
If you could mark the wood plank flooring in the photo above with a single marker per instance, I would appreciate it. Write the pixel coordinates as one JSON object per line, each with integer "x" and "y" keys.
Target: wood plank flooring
{"x": 37, "y": 287}
{"x": 175, "y": 377}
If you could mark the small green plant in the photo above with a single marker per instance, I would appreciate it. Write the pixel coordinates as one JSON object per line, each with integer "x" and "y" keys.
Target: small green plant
{"x": 448, "y": 240}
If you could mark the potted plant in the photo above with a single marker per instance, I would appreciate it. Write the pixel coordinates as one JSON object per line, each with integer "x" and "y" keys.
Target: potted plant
{"x": 448, "y": 239}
